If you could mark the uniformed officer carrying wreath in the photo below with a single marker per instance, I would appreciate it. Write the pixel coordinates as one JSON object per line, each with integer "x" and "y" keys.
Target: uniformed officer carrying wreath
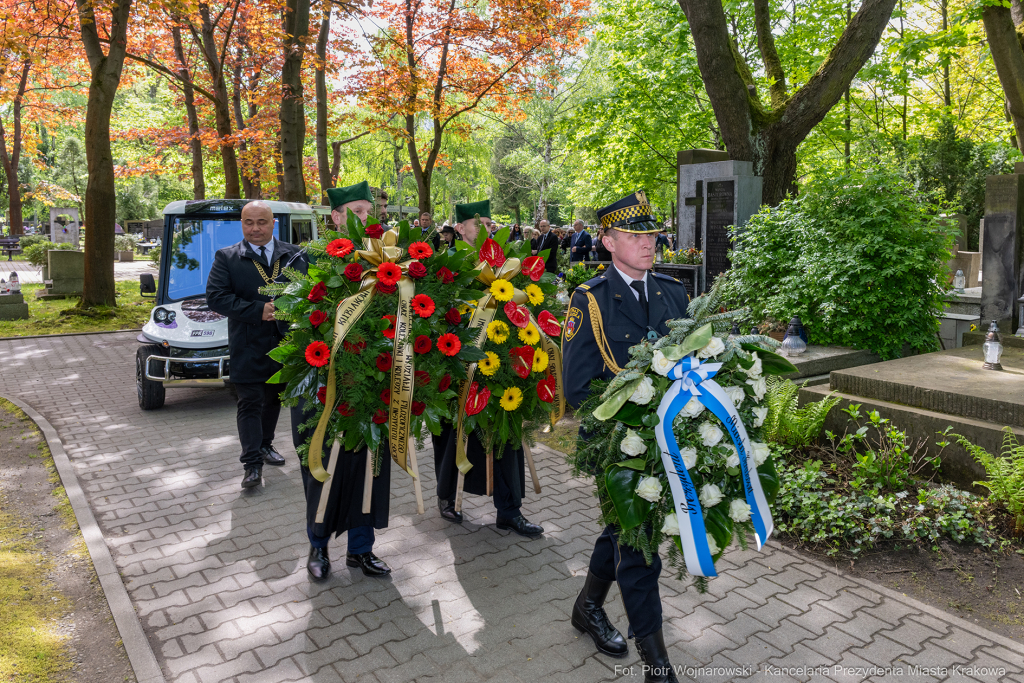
{"x": 607, "y": 315}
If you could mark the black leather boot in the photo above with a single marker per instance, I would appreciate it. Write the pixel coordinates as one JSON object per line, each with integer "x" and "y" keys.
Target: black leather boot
{"x": 589, "y": 616}
{"x": 657, "y": 668}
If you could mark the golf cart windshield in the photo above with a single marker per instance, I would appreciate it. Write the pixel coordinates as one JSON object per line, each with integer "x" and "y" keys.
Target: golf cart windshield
{"x": 193, "y": 245}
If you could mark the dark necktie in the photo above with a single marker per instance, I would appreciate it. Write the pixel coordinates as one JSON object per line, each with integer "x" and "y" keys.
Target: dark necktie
{"x": 638, "y": 285}
{"x": 263, "y": 256}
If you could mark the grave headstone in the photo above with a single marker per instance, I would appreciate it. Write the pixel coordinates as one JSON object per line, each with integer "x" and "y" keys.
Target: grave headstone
{"x": 65, "y": 232}
{"x": 1001, "y": 259}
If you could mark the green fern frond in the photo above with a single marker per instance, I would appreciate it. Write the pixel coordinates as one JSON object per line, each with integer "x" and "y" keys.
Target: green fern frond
{"x": 1005, "y": 473}
{"x": 789, "y": 424}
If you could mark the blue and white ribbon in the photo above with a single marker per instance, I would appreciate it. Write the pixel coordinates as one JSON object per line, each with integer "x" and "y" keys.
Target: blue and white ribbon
{"x": 693, "y": 380}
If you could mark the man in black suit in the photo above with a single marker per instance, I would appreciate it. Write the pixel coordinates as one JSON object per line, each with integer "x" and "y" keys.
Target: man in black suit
{"x": 232, "y": 290}
{"x": 547, "y": 240}
{"x": 579, "y": 243}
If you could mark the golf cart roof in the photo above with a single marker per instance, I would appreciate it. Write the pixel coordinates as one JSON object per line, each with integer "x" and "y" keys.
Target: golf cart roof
{"x": 228, "y": 206}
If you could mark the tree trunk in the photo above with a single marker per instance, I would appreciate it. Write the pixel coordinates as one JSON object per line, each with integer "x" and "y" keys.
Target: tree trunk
{"x": 293, "y": 115}
{"x": 194, "y": 143}
{"x": 1009, "y": 60}
{"x": 221, "y": 105}
{"x": 249, "y": 189}
{"x": 336, "y": 163}
{"x": 769, "y": 137}
{"x": 322, "y": 162}
{"x": 11, "y": 161}
{"x": 100, "y": 196}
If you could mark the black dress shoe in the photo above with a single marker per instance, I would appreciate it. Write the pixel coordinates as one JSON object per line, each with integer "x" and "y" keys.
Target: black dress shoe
{"x": 271, "y": 456}
{"x": 657, "y": 668}
{"x": 252, "y": 477}
{"x": 589, "y": 616}
{"x": 447, "y": 508}
{"x": 520, "y": 526}
{"x": 318, "y": 565}
{"x": 369, "y": 563}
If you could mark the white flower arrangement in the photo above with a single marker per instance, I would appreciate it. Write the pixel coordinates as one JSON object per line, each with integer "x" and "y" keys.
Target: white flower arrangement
{"x": 649, "y": 489}
{"x": 710, "y": 495}
{"x": 644, "y": 392}
{"x": 660, "y": 364}
{"x": 739, "y": 510}
{"x": 710, "y": 434}
{"x": 712, "y": 349}
{"x": 633, "y": 445}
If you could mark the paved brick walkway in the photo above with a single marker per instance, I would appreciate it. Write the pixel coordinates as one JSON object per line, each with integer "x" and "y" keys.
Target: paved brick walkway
{"x": 129, "y": 270}
{"x": 218, "y": 577}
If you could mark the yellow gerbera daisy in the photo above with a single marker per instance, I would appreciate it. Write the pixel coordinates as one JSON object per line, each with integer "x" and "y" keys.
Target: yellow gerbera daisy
{"x": 529, "y": 334}
{"x": 511, "y": 399}
{"x": 497, "y": 332}
{"x": 488, "y": 366}
{"x": 540, "y": 360}
{"x": 535, "y": 293}
{"x": 502, "y": 290}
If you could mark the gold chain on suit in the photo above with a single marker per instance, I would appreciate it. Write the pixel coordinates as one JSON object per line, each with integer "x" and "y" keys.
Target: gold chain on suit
{"x": 273, "y": 276}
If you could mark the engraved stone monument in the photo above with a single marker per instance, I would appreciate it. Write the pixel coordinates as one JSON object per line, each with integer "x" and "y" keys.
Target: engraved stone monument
{"x": 62, "y": 232}
{"x": 1003, "y": 250}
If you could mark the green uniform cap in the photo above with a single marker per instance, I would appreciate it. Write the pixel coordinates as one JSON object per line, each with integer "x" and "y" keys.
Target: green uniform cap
{"x": 463, "y": 212}
{"x": 353, "y": 193}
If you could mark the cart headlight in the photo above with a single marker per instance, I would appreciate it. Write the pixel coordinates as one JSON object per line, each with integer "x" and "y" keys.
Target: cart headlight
{"x": 160, "y": 315}
{"x": 170, "y": 317}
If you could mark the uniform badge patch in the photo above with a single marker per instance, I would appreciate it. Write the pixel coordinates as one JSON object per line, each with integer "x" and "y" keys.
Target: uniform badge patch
{"x": 572, "y": 322}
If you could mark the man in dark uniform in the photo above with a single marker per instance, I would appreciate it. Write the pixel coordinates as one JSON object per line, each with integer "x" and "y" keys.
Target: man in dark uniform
{"x": 607, "y": 315}
{"x": 232, "y": 289}
{"x": 336, "y": 505}
{"x": 509, "y": 477}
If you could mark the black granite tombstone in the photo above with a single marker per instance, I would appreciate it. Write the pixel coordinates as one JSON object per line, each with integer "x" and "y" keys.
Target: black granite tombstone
{"x": 721, "y": 201}
{"x": 1003, "y": 250}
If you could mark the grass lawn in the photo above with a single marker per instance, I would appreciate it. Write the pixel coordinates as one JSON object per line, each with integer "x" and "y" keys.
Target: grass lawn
{"x": 58, "y": 316}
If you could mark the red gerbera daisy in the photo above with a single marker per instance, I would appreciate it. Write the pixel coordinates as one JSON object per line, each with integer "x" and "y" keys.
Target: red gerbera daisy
{"x": 317, "y": 318}
{"x": 340, "y": 248}
{"x": 422, "y": 344}
{"x": 318, "y": 354}
{"x": 420, "y": 250}
{"x": 389, "y": 273}
{"x": 448, "y": 344}
{"x": 380, "y": 417}
{"x": 446, "y": 381}
{"x": 418, "y": 407}
{"x": 423, "y": 305}
{"x": 390, "y": 331}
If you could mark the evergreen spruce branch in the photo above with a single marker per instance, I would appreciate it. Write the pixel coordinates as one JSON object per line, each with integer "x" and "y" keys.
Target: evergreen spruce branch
{"x": 273, "y": 290}
{"x": 293, "y": 275}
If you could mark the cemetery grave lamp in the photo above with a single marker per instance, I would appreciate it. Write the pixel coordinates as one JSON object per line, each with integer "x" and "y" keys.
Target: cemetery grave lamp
{"x": 735, "y": 332}
{"x": 15, "y": 283}
{"x": 754, "y": 330}
{"x": 959, "y": 282}
{"x": 792, "y": 344}
{"x": 993, "y": 348}
{"x": 1020, "y": 318}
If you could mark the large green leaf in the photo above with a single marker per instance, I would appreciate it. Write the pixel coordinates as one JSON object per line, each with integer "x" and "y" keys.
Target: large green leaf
{"x": 769, "y": 479}
{"x": 638, "y": 464}
{"x": 609, "y": 408}
{"x": 694, "y": 341}
{"x": 281, "y": 353}
{"x": 631, "y": 414}
{"x": 719, "y": 526}
{"x": 771, "y": 363}
{"x": 621, "y": 483}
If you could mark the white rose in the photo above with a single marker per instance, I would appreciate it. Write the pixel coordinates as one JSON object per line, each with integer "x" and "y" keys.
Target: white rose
{"x": 649, "y": 488}
{"x": 714, "y": 347}
{"x": 710, "y": 496}
{"x": 736, "y": 395}
{"x": 633, "y": 444}
{"x": 644, "y": 392}
{"x": 739, "y": 510}
{"x": 671, "y": 525}
{"x": 709, "y": 434}
{"x": 660, "y": 364}
{"x": 733, "y": 459}
{"x": 760, "y": 452}
{"x": 689, "y": 456}
{"x": 762, "y": 415}
{"x": 693, "y": 408}
{"x": 760, "y": 387}
{"x": 712, "y": 544}
{"x": 755, "y": 371}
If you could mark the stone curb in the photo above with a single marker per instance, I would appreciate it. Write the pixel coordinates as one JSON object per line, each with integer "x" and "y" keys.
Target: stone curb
{"x": 68, "y": 334}
{"x": 140, "y": 653}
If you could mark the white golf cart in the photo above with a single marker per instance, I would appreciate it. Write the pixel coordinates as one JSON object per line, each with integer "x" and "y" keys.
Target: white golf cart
{"x": 185, "y": 344}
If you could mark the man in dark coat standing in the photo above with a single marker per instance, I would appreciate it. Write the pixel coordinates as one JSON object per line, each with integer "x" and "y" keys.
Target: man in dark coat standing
{"x": 547, "y": 240}
{"x": 626, "y": 304}
{"x": 335, "y": 506}
{"x": 232, "y": 289}
{"x": 579, "y": 243}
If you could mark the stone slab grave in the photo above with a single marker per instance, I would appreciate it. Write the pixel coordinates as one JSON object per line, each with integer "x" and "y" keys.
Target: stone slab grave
{"x": 926, "y": 393}
{"x": 13, "y": 307}
{"x": 815, "y": 364}
{"x": 66, "y": 271}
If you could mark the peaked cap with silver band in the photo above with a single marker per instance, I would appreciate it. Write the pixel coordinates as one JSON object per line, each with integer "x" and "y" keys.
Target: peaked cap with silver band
{"x": 630, "y": 214}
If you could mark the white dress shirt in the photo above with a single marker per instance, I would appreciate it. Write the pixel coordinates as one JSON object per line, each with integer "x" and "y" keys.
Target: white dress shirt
{"x": 629, "y": 283}
{"x": 269, "y": 246}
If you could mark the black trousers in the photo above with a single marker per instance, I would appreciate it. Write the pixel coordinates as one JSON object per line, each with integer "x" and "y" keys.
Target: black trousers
{"x": 259, "y": 406}
{"x": 638, "y": 583}
{"x": 508, "y": 472}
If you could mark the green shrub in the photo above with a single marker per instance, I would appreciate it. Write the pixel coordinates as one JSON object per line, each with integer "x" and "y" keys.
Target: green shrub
{"x": 154, "y": 254}
{"x": 36, "y": 253}
{"x": 789, "y": 425}
{"x": 1005, "y": 474}
{"x": 26, "y": 241}
{"x": 861, "y": 260}
{"x": 125, "y": 242}
{"x": 577, "y": 275}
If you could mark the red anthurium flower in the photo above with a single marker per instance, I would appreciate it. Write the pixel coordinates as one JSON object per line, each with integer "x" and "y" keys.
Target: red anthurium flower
{"x": 533, "y": 267}
{"x": 318, "y": 354}
{"x": 380, "y": 417}
{"x": 422, "y": 378}
{"x": 477, "y": 398}
{"x": 418, "y": 407}
{"x": 389, "y": 273}
{"x": 549, "y": 324}
{"x": 449, "y": 344}
{"x": 546, "y": 389}
{"x": 446, "y": 276}
{"x": 340, "y": 247}
{"x": 321, "y": 394}
{"x": 384, "y": 361}
{"x": 374, "y": 231}
{"x": 422, "y": 344}
{"x": 522, "y": 360}
{"x": 385, "y": 395}
{"x": 453, "y": 317}
{"x": 355, "y": 347}
{"x": 423, "y": 305}
{"x": 492, "y": 254}
{"x": 317, "y": 318}
{"x": 446, "y": 381}
{"x": 420, "y": 250}
{"x": 386, "y": 289}
{"x": 353, "y": 272}
{"x": 344, "y": 410}
{"x": 517, "y": 315}
{"x": 417, "y": 270}
{"x": 390, "y": 332}
{"x": 317, "y": 294}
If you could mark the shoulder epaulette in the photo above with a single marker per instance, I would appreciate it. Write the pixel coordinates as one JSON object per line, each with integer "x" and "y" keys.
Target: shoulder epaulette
{"x": 663, "y": 276}
{"x": 595, "y": 281}
{"x": 584, "y": 287}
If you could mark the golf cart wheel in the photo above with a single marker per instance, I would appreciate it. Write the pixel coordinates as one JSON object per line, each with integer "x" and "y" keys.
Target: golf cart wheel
{"x": 151, "y": 394}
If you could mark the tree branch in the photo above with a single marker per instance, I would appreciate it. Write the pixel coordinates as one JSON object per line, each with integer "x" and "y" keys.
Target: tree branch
{"x": 766, "y": 44}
